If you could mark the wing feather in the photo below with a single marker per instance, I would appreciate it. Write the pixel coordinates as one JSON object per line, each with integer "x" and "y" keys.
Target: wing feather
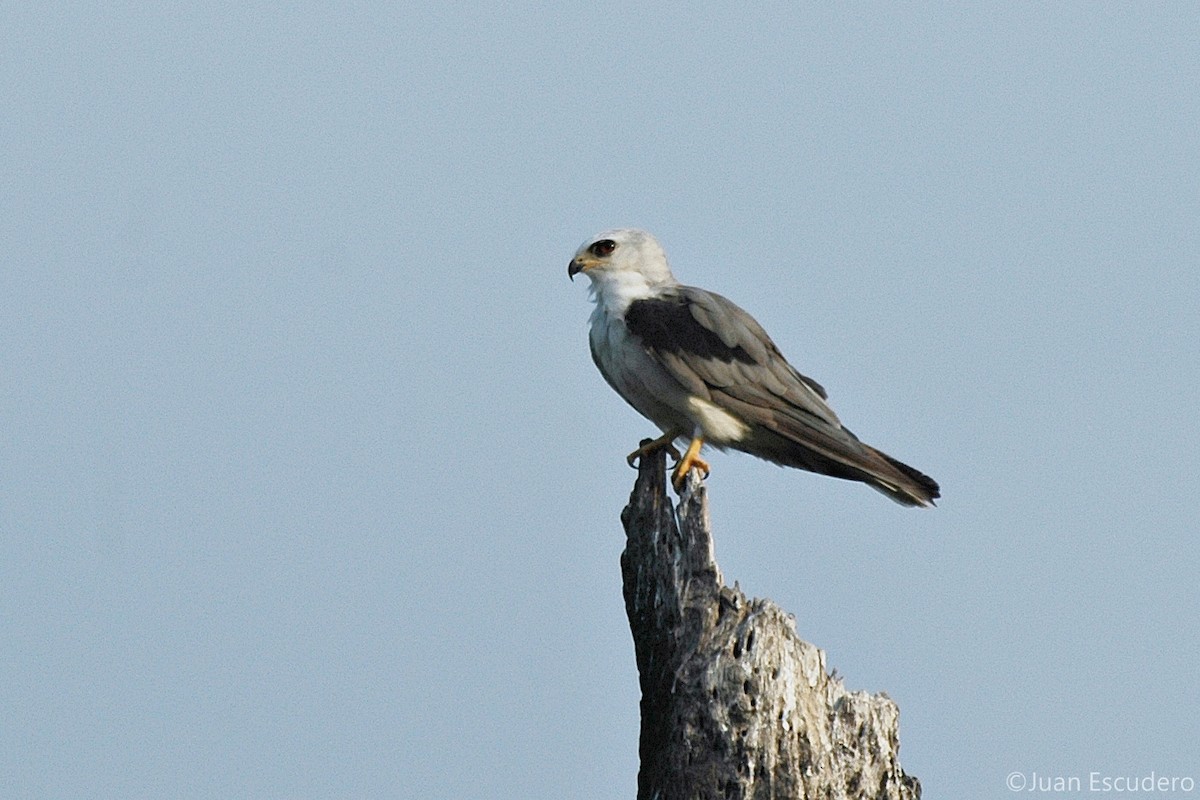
{"x": 719, "y": 353}
{"x": 707, "y": 342}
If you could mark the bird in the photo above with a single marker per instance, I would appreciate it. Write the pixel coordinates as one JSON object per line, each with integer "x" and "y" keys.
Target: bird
{"x": 703, "y": 370}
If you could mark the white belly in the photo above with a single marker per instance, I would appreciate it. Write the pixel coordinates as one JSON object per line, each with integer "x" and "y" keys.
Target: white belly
{"x": 717, "y": 424}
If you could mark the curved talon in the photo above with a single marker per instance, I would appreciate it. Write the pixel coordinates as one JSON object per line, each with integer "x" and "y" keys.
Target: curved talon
{"x": 649, "y": 448}
{"x": 690, "y": 459}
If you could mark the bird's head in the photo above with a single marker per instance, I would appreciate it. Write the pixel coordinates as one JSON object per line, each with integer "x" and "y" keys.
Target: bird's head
{"x": 622, "y": 256}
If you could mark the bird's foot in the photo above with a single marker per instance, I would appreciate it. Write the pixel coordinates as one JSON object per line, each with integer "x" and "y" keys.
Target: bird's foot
{"x": 690, "y": 459}
{"x": 651, "y": 446}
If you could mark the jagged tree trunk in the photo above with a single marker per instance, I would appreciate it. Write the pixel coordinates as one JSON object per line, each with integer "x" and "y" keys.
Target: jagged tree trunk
{"x": 734, "y": 704}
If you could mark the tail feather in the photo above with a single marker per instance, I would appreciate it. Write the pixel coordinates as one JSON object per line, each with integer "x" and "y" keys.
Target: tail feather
{"x": 800, "y": 440}
{"x": 846, "y": 457}
{"x": 905, "y": 485}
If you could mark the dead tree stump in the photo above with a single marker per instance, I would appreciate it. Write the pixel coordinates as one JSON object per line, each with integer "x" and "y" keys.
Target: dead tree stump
{"x": 734, "y": 703}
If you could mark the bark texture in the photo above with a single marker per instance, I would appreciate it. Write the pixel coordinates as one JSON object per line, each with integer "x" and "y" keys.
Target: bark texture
{"x": 734, "y": 704}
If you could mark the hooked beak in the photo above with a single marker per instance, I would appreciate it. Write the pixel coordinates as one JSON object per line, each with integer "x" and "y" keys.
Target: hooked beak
{"x": 574, "y": 268}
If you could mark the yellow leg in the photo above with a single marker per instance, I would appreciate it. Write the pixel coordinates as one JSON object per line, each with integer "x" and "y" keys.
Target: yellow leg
{"x": 661, "y": 443}
{"x": 690, "y": 459}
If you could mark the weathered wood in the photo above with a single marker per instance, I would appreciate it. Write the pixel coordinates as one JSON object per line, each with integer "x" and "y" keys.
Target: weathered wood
{"x": 734, "y": 703}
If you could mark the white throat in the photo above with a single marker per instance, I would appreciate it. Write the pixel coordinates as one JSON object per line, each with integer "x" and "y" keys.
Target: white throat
{"x": 614, "y": 291}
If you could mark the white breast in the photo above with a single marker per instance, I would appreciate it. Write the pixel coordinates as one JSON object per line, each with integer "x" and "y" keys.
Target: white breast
{"x": 649, "y": 387}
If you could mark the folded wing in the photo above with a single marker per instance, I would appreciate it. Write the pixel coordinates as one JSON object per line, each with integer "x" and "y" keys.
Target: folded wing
{"x": 719, "y": 353}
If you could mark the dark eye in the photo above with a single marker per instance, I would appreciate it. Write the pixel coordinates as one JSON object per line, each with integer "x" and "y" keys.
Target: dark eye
{"x": 602, "y": 248}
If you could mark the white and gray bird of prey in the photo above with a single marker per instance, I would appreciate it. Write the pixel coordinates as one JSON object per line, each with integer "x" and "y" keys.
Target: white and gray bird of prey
{"x": 699, "y": 367}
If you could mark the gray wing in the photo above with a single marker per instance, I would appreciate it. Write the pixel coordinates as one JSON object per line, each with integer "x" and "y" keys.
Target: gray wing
{"x": 719, "y": 352}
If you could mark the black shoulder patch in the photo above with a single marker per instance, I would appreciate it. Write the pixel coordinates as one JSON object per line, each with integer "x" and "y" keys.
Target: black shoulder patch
{"x": 667, "y": 324}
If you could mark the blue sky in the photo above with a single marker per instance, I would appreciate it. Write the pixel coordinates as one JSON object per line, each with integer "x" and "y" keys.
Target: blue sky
{"x": 310, "y": 488}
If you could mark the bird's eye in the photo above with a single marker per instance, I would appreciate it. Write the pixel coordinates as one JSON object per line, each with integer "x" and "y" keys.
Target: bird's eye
{"x": 604, "y": 247}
